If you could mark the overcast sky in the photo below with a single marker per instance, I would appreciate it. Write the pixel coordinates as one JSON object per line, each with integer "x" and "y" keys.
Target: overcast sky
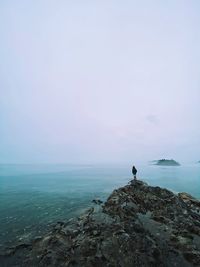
{"x": 99, "y": 81}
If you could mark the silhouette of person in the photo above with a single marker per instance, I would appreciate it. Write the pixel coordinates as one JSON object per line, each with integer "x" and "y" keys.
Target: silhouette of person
{"x": 134, "y": 172}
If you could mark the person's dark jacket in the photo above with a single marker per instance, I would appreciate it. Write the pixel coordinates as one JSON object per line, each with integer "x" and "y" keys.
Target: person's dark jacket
{"x": 134, "y": 171}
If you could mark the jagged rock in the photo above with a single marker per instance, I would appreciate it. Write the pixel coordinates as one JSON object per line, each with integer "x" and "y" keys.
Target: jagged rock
{"x": 97, "y": 201}
{"x": 138, "y": 225}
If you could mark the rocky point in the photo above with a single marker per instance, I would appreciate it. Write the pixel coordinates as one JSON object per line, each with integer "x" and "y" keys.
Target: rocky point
{"x": 138, "y": 225}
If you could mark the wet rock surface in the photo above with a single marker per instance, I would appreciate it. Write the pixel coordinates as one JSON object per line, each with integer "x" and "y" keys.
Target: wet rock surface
{"x": 138, "y": 225}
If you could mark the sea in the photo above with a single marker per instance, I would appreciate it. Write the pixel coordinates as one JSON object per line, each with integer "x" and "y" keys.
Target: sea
{"x": 34, "y": 197}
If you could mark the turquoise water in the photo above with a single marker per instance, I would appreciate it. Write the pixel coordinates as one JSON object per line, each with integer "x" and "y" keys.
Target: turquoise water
{"x": 33, "y": 197}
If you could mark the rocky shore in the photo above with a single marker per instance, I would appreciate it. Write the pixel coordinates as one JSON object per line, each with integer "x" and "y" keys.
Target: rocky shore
{"x": 138, "y": 225}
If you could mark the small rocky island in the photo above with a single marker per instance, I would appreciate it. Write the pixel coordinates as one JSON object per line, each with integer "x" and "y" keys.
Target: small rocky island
{"x": 167, "y": 162}
{"x": 138, "y": 225}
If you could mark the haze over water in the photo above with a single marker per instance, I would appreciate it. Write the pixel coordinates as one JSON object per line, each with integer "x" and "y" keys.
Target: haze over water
{"x": 99, "y": 81}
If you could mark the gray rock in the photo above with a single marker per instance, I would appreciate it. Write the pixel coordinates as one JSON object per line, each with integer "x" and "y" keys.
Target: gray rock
{"x": 138, "y": 225}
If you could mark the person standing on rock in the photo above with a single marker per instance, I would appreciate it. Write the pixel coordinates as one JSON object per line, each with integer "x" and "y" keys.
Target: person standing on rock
{"x": 134, "y": 172}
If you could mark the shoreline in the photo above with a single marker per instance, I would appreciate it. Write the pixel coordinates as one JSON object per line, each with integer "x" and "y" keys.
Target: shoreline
{"x": 137, "y": 225}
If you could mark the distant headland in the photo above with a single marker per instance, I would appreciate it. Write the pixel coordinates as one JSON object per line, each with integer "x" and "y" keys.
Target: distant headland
{"x": 166, "y": 162}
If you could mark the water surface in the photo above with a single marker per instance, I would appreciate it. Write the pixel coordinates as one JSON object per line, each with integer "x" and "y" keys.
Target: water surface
{"x": 33, "y": 197}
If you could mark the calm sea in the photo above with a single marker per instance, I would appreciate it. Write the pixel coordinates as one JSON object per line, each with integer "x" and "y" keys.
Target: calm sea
{"x": 33, "y": 197}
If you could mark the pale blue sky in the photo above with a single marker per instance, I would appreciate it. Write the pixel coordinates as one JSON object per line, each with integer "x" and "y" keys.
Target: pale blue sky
{"x": 99, "y": 81}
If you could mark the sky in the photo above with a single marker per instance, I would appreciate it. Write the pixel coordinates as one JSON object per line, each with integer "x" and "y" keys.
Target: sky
{"x": 99, "y": 81}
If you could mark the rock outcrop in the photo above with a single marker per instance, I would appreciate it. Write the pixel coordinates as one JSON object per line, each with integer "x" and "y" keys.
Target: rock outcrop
{"x": 138, "y": 225}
